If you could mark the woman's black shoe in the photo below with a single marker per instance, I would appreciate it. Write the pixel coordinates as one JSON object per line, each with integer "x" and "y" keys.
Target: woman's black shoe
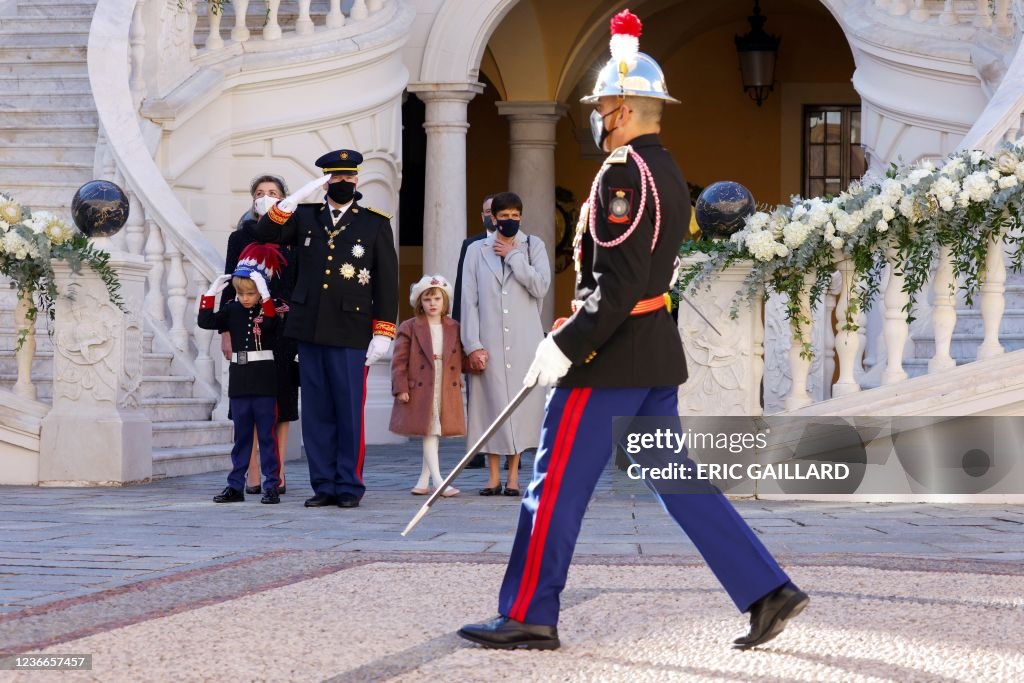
{"x": 511, "y": 492}
{"x": 281, "y": 490}
{"x": 495, "y": 491}
{"x": 252, "y": 490}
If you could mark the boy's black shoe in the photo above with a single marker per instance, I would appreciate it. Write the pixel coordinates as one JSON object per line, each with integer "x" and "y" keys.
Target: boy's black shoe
{"x": 270, "y": 497}
{"x": 229, "y": 495}
{"x": 252, "y": 489}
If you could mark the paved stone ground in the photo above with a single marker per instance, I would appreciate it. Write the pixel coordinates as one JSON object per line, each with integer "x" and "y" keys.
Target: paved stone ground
{"x": 140, "y": 575}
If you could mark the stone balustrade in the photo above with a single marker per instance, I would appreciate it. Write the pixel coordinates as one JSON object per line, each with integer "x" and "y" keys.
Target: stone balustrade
{"x": 996, "y": 16}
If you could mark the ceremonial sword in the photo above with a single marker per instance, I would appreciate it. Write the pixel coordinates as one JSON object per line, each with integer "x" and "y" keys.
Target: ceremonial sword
{"x": 500, "y": 420}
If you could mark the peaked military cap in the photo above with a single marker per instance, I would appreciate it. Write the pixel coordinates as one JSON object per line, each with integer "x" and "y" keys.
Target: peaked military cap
{"x": 340, "y": 161}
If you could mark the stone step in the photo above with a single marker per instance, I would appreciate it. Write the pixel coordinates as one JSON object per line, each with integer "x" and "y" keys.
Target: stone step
{"x": 56, "y": 118}
{"x": 179, "y": 462}
{"x": 153, "y": 364}
{"x": 167, "y": 386}
{"x": 12, "y": 176}
{"x": 964, "y": 347}
{"x": 57, "y": 10}
{"x": 43, "y": 155}
{"x": 29, "y": 133}
{"x": 27, "y": 25}
{"x": 46, "y": 100}
{"x": 39, "y": 196}
{"x": 177, "y": 409}
{"x": 191, "y": 434}
{"x": 58, "y": 36}
{"x": 27, "y": 58}
{"x": 44, "y": 69}
{"x": 52, "y": 83}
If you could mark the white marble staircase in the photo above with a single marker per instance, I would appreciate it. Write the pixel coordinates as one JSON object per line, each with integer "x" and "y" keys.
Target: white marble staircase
{"x": 48, "y": 134}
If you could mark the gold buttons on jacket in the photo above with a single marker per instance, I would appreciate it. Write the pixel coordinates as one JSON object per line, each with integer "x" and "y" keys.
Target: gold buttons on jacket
{"x": 325, "y": 285}
{"x": 327, "y": 271}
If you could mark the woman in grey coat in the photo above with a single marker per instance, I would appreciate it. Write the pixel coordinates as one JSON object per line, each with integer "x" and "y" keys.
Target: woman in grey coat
{"x": 505, "y": 278}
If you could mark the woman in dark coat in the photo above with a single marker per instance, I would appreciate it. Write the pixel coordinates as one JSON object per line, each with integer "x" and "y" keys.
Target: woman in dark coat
{"x": 286, "y": 350}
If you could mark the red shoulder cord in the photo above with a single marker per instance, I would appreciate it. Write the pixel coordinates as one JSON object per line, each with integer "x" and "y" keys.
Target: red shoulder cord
{"x": 645, "y": 179}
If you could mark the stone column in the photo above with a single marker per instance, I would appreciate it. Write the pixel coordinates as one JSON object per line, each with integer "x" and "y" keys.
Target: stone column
{"x": 531, "y": 172}
{"x": 96, "y": 434}
{"x": 444, "y": 204}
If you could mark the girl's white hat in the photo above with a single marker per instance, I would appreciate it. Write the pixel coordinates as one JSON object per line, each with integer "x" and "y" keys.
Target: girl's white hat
{"x": 427, "y": 282}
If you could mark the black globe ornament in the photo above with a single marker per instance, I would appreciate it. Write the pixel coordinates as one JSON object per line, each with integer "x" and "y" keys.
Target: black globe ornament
{"x": 722, "y": 209}
{"x": 99, "y": 208}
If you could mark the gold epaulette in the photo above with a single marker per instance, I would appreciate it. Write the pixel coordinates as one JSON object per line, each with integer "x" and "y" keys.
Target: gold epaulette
{"x": 619, "y": 156}
{"x": 379, "y": 212}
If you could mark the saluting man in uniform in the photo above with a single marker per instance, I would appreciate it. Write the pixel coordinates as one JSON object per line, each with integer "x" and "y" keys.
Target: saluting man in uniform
{"x": 342, "y": 312}
{"x": 620, "y": 354}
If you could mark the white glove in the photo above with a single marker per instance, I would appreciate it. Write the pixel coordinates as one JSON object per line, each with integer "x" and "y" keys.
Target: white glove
{"x": 291, "y": 202}
{"x": 549, "y": 364}
{"x": 218, "y": 285}
{"x": 379, "y": 346}
{"x": 261, "y": 284}
{"x": 675, "y": 273}
{"x": 263, "y": 204}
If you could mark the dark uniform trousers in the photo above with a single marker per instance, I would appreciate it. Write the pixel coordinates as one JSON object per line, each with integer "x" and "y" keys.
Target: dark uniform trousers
{"x": 624, "y": 364}
{"x": 346, "y": 291}
{"x": 576, "y": 440}
{"x": 259, "y": 413}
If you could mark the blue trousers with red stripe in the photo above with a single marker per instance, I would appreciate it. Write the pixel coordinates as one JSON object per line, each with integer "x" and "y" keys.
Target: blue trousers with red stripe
{"x": 576, "y": 444}
{"x": 333, "y": 381}
{"x": 259, "y": 412}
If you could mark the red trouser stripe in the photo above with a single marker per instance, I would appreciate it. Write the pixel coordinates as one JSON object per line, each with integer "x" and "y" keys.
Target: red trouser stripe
{"x": 362, "y": 428}
{"x": 564, "y": 440}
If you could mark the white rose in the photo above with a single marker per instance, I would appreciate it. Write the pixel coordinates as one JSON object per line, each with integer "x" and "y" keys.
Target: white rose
{"x": 1007, "y": 162}
{"x": 882, "y": 226}
{"x": 976, "y": 156}
{"x": 836, "y": 242}
{"x": 888, "y": 213}
{"x": 993, "y": 174}
{"x": 1007, "y": 181}
{"x": 947, "y": 203}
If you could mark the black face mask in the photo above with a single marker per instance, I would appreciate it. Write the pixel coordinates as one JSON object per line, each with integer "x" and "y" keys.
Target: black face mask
{"x": 342, "y": 192}
{"x": 508, "y": 226}
{"x": 488, "y": 224}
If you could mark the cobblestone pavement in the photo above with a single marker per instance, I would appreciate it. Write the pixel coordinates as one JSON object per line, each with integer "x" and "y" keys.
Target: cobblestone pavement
{"x": 141, "y": 575}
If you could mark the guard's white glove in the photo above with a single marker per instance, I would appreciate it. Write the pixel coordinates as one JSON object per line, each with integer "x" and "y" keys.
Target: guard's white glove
{"x": 377, "y": 349}
{"x": 549, "y": 364}
{"x": 675, "y": 273}
{"x": 218, "y": 285}
{"x": 291, "y": 202}
{"x": 263, "y": 204}
{"x": 261, "y": 284}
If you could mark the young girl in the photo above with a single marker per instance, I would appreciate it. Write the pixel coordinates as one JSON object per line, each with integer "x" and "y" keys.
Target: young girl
{"x": 426, "y": 376}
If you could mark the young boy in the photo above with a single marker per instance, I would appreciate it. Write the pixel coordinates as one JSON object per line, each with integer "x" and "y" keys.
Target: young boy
{"x": 252, "y": 322}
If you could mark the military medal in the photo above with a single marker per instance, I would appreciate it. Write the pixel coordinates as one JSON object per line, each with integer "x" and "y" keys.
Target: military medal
{"x": 364, "y": 276}
{"x": 347, "y": 271}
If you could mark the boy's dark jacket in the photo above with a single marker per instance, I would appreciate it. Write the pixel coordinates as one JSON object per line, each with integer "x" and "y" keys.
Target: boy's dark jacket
{"x": 255, "y": 378}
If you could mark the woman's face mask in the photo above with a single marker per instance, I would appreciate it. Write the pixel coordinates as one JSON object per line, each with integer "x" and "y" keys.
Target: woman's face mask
{"x": 508, "y": 226}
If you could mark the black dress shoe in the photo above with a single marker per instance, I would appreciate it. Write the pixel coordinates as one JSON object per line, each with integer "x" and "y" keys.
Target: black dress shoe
{"x": 282, "y": 490}
{"x": 321, "y": 500}
{"x": 270, "y": 497}
{"x": 768, "y": 616}
{"x": 347, "y": 500}
{"x": 477, "y": 463}
{"x": 229, "y": 495}
{"x": 507, "y": 634}
{"x": 253, "y": 489}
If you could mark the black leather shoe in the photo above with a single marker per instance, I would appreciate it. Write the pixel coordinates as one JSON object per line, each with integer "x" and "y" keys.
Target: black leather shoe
{"x": 321, "y": 500}
{"x": 507, "y": 634}
{"x": 768, "y": 616}
{"x": 282, "y": 490}
{"x": 270, "y": 497}
{"x": 347, "y": 500}
{"x": 229, "y": 495}
{"x": 477, "y": 463}
{"x": 252, "y": 489}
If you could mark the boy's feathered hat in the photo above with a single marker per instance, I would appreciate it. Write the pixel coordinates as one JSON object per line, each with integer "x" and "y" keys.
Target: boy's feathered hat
{"x": 629, "y": 73}
{"x": 265, "y": 259}
{"x": 427, "y": 282}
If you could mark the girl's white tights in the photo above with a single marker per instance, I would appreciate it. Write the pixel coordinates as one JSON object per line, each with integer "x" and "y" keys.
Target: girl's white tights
{"x": 431, "y": 464}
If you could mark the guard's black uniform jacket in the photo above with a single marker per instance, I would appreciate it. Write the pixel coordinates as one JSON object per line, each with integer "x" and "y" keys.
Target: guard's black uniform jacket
{"x": 254, "y": 378}
{"x": 342, "y": 293}
{"x": 608, "y": 346}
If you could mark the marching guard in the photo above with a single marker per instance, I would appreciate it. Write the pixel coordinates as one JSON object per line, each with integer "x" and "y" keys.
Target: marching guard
{"x": 619, "y": 354}
{"x": 342, "y": 312}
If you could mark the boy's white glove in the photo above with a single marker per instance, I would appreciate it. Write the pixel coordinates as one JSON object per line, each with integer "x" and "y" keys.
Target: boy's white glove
{"x": 377, "y": 349}
{"x": 263, "y": 204}
{"x": 218, "y": 285}
{"x": 549, "y": 364}
{"x": 291, "y": 202}
{"x": 261, "y": 284}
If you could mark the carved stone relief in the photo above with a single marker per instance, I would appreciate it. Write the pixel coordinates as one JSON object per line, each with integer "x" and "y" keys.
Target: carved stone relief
{"x": 87, "y": 364}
